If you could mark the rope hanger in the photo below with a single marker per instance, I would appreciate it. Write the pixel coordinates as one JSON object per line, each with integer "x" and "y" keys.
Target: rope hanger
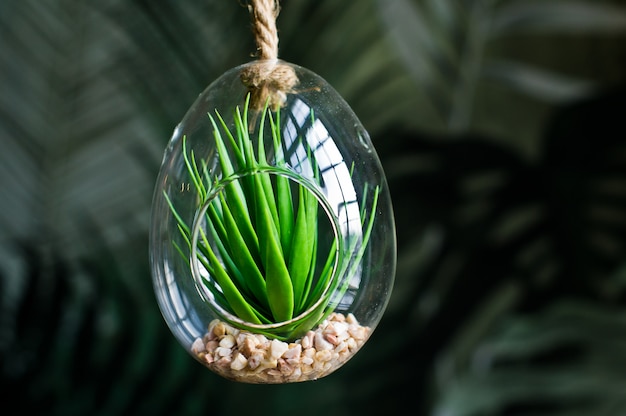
{"x": 269, "y": 81}
{"x": 264, "y": 14}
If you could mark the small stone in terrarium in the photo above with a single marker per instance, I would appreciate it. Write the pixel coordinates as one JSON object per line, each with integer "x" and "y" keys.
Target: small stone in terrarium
{"x": 241, "y": 355}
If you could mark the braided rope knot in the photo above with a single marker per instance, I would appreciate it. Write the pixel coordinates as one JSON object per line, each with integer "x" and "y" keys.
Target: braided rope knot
{"x": 268, "y": 80}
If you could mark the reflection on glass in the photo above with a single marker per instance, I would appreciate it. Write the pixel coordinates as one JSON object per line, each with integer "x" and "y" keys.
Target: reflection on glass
{"x": 177, "y": 305}
{"x": 336, "y": 180}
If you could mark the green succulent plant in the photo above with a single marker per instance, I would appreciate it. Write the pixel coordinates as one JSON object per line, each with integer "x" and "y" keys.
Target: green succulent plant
{"x": 260, "y": 246}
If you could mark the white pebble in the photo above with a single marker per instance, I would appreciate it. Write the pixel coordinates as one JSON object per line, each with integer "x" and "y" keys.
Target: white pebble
{"x": 340, "y": 328}
{"x": 228, "y": 342}
{"x": 255, "y": 360}
{"x": 278, "y": 348}
{"x": 341, "y": 347}
{"x": 198, "y": 346}
{"x": 307, "y": 340}
{"x": 239, "y": 362}
{"x": 223, "y": 352}
{"x": 293, "y": 352}
{"x": 321, "y": 343}
{"x": 223, "y": 362}
{"x": 352, "y": 344}
{"x": 324, "y": 355}
{"x": 261, "y": 338}
{"x": 359, "y": 333}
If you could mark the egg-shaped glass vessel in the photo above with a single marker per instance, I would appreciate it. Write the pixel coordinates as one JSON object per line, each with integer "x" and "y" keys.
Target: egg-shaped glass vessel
{"x": 272, "y": 240}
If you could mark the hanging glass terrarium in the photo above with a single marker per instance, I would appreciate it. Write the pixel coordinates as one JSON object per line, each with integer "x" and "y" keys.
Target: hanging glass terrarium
{"x": 272, "y": 239}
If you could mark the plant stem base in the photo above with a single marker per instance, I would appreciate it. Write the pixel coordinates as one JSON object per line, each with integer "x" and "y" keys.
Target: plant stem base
{"x": 243, "y": 356}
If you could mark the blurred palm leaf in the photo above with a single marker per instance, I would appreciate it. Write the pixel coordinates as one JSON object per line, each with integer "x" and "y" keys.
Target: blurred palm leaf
{"x": 344, "y": 44}
{"x": 67, "y": 132}
{"x": 87, "y": 338}
{"x": 513, "y": 236}
{"x": 564, "y": 360}
{"x": 469, "y": 57}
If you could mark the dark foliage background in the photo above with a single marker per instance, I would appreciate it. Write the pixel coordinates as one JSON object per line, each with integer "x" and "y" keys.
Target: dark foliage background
{"x": 500, "y": 124}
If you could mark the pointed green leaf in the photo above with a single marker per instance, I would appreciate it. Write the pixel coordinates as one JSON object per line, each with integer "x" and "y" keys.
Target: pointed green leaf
{"x": 278, "y": 281}
{"x": 266, "y": 180}
{"x": 242, "y": 256}
{"x": 235, "y": 195}
{"x": 236, "y": 301}
{"x": 284, "y": 200}
{"x": 301, "y": 247}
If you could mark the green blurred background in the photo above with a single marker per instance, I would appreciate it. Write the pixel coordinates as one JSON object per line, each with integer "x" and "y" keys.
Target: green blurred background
{"x": 501, "y": 125}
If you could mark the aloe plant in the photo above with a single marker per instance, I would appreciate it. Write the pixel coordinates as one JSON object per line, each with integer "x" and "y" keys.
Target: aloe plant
{"x": 260, "y": 245}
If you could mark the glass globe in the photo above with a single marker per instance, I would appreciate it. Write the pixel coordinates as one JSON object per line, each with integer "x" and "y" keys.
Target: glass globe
{"x": 272, "y": 237}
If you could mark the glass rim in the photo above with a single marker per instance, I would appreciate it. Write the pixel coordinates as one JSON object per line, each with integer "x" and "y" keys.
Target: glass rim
{"x": 199, "y": 219}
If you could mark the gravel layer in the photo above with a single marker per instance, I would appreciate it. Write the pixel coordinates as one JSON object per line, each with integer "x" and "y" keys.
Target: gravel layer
{"x": 253, "y": 358}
